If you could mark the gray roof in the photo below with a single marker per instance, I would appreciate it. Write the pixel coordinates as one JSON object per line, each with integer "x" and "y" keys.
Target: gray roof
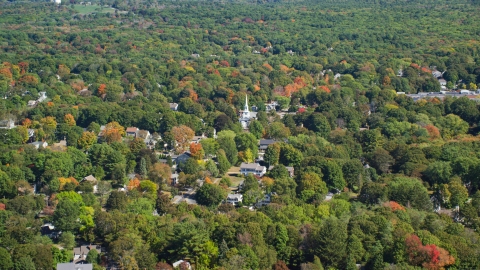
{"x": 251, "y": 166}
{"x": 267, "y": 141}
{"x": 73, "y": 266}
{"x": 83, "y": 250}
{"x": 235, "y": 196}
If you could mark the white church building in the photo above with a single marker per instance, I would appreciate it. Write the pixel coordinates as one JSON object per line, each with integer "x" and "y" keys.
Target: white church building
{"x": 246, "y": 115}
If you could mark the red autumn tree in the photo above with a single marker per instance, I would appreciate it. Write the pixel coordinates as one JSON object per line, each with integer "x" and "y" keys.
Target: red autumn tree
{"x": 23, "y": 66}
{"x": 102, "y": 90}
{"x": 428, "y": 256}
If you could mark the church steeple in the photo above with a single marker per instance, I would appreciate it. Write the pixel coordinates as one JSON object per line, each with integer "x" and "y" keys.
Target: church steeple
{"x": 245, "y": 109}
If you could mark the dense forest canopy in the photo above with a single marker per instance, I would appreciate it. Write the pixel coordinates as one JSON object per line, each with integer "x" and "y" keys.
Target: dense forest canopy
{"x": 121, "y": 126}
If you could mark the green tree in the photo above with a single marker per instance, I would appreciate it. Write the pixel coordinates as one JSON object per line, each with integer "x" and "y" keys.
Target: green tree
{"x": 272, "y": 154}
{"x": 92, "y": 256}
{"x": 67, "y": 239}
{"x": 24, "y": 263}
{"x": 212, "y": 168}
{"x": 66, "y": 214}
{"x": 117, "y": 200}
{"x": 223, "y": 163}
{"x": 331, "y": 242}
{"x": 332, "y": 175}
{"x": 210, "y": 195}
{"x": 5, "y": 259}
{"x": 256, "y": 128}
{"x": 228, "y": 145}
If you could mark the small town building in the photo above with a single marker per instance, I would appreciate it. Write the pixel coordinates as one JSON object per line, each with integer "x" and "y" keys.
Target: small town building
{"x": 246, "y": 116}
{"x": 80, "y": 253}
{"x": 74, "y": 266}
{"x": 253, "y": 168}
{"x": 234, "y": 199}
{"x": 39, "y": 145}
{"x": 173, "y": 106}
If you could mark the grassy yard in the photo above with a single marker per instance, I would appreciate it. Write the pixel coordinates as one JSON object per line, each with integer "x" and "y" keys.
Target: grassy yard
{"x": 82, "y": 9}
{"x": 234, "y": 175}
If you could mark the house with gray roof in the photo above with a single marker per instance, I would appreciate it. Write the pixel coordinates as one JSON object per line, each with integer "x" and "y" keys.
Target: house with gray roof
{"x": 253, "y": 168}
{"x": 74, "y": 266}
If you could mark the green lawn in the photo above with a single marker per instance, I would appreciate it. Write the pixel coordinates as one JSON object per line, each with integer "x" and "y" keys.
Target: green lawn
{"x": 82, "y": 9}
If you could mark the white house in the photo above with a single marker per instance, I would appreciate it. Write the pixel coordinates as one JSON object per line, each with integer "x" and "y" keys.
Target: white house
{"x": 42, "y": 96}
{"x": 253, "y": 168}
{"x": 272, "y": 106}
{"x": 174, "y": 178}
{"x": 132, "y": 131}
{"x": 234, "y": 199}
{"x": 178, "y": 263}
{"x": 74, "y": 266}
{"x": 7, "y": 124}
{"x": 39, "y": 144}
{"x": 173, "y": 106}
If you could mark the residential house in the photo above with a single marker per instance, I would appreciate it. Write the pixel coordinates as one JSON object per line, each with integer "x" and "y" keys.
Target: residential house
{"x": 49, "y": 230}
{"x": 7, "y": 124}
{"x": 253, "y": 168}
{"x": 437, "y": 74}
{"x": 42, "y": 97}
{"x": 39, "y": 145}
{"x": 234, "y": 199}
{"x": 132, "y": 131}
{"x": 173, "y": 106}
{"x": 181, "y": 158}
{"x": 93, "y": 181}
{"x": 267, "y": 199}
{"x": 174, "y": 178}
{"x": 291, "y": 171}
{"x": 265, "y": 143}
{"x": 272, "y": 106}
{"x": 178, "y": 263}
{"x": 197, "y": 139}
{"x": 80, "y": 253}
{"x": 74, "y": 266}
{"x": 443, "y": 83}
{"x": 32, "y": 103}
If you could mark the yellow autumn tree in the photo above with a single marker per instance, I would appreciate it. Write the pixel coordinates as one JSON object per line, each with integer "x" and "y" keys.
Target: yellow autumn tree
{"x": 69, "y": 119}
{"x": 87, "y": 140}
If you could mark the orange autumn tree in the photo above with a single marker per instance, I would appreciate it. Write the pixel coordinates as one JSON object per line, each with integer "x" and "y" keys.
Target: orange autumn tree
{"x": 27, "y": 123}
{"x": 102, "y": 90}
{"x": 325, "y": 88}
{"x": 208, "y": 180}
{"x": 182, "y": 135}
{"x": 196, "y": 151}
{"x": 394, "y": 206}
{"x": 69, "y": 119}
{"x": 133, "y": 184}
{"x": 113, "y": 132}
{"x": 433, "y": 131}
